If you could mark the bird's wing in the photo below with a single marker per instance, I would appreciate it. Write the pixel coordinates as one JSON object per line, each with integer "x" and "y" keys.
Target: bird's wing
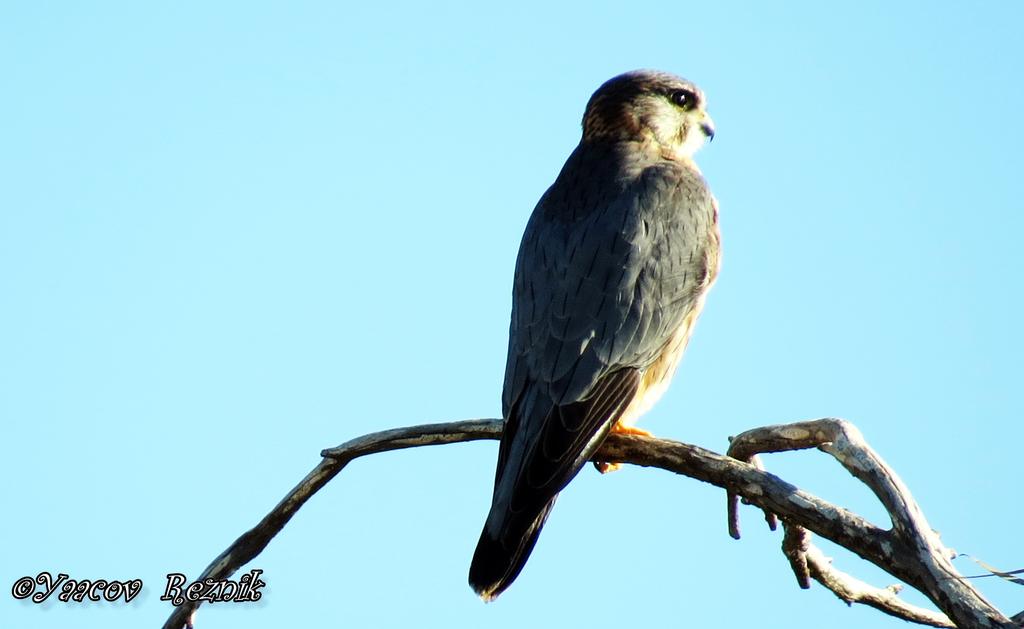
{"x": 601, "y": 286}
{"x": 606, "y": 276}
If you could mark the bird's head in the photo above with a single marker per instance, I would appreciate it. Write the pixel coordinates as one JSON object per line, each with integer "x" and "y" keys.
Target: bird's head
{"x": 653, "y": 107}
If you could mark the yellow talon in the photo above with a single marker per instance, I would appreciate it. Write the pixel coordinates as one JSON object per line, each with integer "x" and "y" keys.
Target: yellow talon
{"x": 630, "y": 430}
{"x": 621, "y": 429}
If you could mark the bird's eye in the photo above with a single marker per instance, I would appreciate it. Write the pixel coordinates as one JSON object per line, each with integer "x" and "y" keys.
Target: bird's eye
{"x": 683, "y": 98}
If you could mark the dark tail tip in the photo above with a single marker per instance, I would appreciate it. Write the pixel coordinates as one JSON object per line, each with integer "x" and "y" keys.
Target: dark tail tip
{"x": 496, "y": 565}
{"x": 491, "y": 563}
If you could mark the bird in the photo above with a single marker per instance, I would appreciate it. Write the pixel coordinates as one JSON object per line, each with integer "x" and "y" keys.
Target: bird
{"x": 612, "y": 272}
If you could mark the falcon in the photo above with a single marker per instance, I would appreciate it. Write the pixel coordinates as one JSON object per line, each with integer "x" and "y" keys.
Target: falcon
{"x": 612, "y": 272}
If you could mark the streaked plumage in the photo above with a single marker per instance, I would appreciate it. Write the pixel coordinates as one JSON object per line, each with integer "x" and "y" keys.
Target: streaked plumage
{"x": 611, "y": 275}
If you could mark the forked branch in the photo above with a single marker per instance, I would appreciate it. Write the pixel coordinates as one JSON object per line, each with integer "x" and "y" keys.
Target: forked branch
{"x": 910, "y": 551}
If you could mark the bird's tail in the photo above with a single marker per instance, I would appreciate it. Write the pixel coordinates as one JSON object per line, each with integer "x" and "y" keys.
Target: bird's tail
{"x": 496, "y": 563}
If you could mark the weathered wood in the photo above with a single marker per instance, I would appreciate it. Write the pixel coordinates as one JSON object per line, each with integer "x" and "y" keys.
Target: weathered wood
{"x": 909, "y": 552}
{"x": 915, "y": 553}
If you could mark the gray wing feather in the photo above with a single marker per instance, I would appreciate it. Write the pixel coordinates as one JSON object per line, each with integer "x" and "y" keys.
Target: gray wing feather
{"x": 607, "y": 289}
{"x": 602, "y": 283}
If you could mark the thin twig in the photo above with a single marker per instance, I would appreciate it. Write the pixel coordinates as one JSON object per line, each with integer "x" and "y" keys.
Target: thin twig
{"x": 253, "y": 541}
{"x": 853, "y": 590}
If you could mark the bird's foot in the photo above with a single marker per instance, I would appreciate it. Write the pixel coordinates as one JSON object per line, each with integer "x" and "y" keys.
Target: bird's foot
{"x": 621, "y": 429}
{"x": 631, "y": 430}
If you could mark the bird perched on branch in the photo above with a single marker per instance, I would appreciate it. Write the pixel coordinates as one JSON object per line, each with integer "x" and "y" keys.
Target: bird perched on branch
{"x": 612, "y": 273}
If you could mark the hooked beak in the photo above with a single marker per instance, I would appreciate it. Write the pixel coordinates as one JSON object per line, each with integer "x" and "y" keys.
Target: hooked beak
{"x": 707, "y": 125}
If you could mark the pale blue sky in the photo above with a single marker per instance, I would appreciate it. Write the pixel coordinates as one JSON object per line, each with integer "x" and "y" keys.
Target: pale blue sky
{"x": 232, "y": 234}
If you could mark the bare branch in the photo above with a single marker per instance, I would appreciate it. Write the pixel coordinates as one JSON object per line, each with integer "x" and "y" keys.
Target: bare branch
{"x": 252, "y": 542}
{"x": 795, "y": 543}
{"x": 925, "y": 562}
{"x": 854, "y": 590}
{"x": 796, "y": 508}
{"x": 809, "y": 562}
